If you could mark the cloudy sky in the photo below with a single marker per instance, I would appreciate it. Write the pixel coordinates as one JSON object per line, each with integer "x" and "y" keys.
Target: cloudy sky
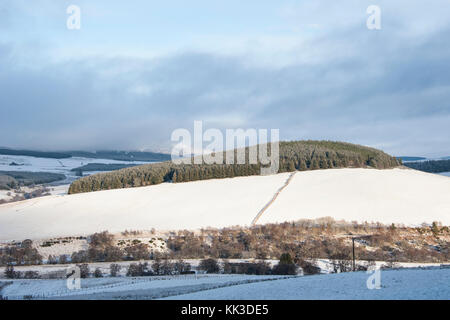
{"x": 137, "y": 70}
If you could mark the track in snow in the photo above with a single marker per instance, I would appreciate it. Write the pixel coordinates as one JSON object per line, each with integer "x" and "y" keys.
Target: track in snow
{"x": 260, "y": 213}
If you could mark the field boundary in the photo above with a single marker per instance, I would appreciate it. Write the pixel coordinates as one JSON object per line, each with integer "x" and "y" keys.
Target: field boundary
{"x": 275, "y": 196}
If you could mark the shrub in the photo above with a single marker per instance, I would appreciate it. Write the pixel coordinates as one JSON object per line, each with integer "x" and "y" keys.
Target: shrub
{"x": 167, "y": 267}
{"x": 257, "y": 268}
{"x": 286, "y": 266}
{"x": 286, "y": 258}
{"x": 114, "y": 269}
{"x": 285, "y": 269}
{"x": 138, "y": 252}
{"x": 52, "y": 260}
{"x": 309, "y": 267}
{"x": 157, "y": 266}
{"x": 138, "y": 270}
{"x": 209, "y": 265}
{"x": 9, "y": 272}
{"x": 80, "y": 256}
{"x": 101, "y": 240}
{"x": 62, "y": 259}
{"x": 84, "y": 270}
{"x": 31, "y": 275}
{"x": 182, "y": 267}
{"x": 98, "y": 273}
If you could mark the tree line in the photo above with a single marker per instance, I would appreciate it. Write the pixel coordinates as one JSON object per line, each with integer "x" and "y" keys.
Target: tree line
{"x": 293, "y": 155}
{"x": 432, "y": 166}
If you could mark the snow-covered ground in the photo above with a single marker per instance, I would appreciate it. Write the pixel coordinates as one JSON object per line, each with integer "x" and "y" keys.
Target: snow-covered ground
{"x": 400, "y": 284}
{"x": 389, "y": 196}
{"x": 431, "y": 283}
{"x": 215, "y": 203}
{"x": 124, "y": 287}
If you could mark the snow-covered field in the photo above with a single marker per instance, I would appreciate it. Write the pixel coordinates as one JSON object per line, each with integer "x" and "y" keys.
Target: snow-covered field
{"x": 432, "y": 283}
{"x": 389, "y": 196}
{"x": 400, "y": 284}
{"x": 126, "y": 288}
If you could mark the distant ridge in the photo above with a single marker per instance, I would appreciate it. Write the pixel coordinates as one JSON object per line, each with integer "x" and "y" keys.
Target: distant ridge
{"x": 406, "y": 158}
{"x": 432, "y": 166}
{"x": 111, "y": 155}
{"x": 37, "y": 154}
{"x": 122, "y": 155}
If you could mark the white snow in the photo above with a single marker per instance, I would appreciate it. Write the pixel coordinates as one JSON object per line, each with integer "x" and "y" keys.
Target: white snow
{"x": 400, "y": 284}
{"x": 389, "y": 196}
{"x": 431, "y": 283}
{"x": 216, "y": 203}
{"x": 123, "y": 287}
{"x": 395, "y": 195}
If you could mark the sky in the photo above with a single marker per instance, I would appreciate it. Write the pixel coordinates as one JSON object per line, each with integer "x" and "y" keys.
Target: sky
{"x": 137, "y": 70}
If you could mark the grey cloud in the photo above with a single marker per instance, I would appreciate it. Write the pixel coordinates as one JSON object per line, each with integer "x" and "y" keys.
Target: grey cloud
{"x": 387, "y": 92}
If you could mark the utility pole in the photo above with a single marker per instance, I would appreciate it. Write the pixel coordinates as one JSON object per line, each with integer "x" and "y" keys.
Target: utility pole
{"x": 353, "y": 244}
{"x": 353, "y": 248}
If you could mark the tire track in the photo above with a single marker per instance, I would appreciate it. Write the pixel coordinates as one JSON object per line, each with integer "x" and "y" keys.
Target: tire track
{"x": 275, "y": 196}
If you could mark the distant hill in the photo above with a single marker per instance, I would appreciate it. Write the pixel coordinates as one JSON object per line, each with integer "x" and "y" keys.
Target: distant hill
{"x": 90, "y": 167}
{"x": 37, "y": 154}
{"x": 294, "y": 155}
{"x": 14, "y": 179}
{"x": 432, "y": 166}
{"x": 405, "y": 158}
{"x": 111, "y": 155}
{"x": 122, "y": 155}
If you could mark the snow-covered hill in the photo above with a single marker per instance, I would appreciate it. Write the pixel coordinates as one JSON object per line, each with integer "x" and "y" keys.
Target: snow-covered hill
{"x": 395, "y": 195}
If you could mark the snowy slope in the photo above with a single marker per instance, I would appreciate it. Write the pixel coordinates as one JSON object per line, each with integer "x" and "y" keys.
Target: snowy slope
{"x": 394, "y": 195}
{"x": 216, "y": 203}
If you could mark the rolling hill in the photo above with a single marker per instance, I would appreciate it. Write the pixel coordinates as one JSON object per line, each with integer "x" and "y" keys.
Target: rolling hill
{"x": 293, "y": 155}
{"x": 355, "y": 194}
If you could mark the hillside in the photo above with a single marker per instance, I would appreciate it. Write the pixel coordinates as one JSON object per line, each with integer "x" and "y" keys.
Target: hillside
{"x": 433, "y": 166}
{"x": 389, "y": 196}
{"x": 295, "y": 155}
{"x": 13, "y": 179}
